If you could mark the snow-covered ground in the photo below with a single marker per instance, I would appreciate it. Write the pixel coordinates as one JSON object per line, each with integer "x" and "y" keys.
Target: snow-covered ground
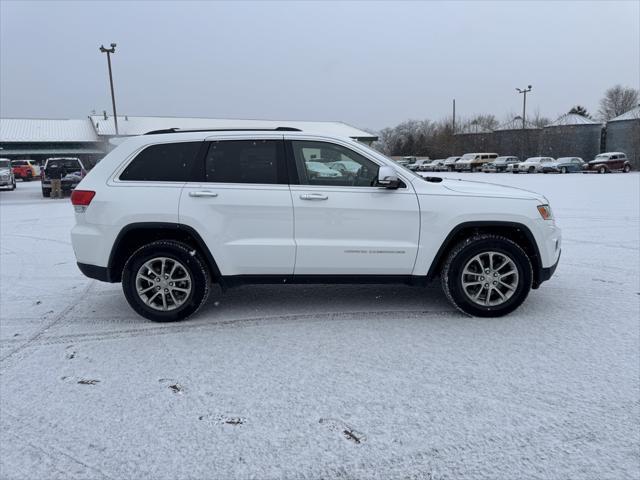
{"x": 326, "y": 382}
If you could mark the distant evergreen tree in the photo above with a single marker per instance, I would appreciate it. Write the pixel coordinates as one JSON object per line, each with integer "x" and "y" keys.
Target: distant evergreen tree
{"x": 580, "y": 110}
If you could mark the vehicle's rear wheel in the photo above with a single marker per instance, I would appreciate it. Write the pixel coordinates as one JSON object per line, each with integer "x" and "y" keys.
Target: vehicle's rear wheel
{"x": 166, "y": 281}
{"x": 531, "y": 170}
{"x": 563, "y": 170}
{"x": 487, "y": 276}
{"x": 602, "y": 170}
{"x": 46, "y": 192}
{"x": 626, "y": 168}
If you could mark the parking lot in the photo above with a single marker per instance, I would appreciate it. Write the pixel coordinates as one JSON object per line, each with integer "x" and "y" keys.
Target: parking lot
{"x": 326, "y": 381}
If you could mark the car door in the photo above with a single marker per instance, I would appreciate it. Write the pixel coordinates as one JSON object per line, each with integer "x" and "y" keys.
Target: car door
{"x": 615, "y": 163}
{"x": 241, "y": 206}
{"x": 575, "y": 165}
{"x": 345, "y": 225}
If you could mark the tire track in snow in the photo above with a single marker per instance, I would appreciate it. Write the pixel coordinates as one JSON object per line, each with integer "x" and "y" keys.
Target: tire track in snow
{"x": 36, "y": 340}
{"x": 57, "y": 319}
{"x": 50, "y": 451}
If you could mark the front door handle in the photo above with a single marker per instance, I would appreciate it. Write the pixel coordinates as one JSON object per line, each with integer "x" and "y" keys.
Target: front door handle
{"x": 314, "y": 196}
{"x": 203, "y": 193}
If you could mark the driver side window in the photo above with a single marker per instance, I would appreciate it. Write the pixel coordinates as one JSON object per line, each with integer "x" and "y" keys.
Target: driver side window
{"x": 322, "y": 163}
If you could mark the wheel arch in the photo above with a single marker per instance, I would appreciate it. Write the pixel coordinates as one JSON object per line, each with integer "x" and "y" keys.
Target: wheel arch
{"x": 514, "y": 231}
{"x": 135, "y": 235}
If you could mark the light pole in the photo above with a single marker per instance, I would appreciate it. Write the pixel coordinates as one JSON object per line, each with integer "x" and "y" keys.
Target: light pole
{"x": 109, "y": 51}
{"x": 524, "y": 103}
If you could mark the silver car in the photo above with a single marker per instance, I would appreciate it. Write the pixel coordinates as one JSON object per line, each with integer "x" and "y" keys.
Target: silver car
{"x": 7, "y": 179}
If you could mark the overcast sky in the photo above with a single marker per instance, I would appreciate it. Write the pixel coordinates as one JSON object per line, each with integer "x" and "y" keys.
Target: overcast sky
{"x": 371, "y": 64}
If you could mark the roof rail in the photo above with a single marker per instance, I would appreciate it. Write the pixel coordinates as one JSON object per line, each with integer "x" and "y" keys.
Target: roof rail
{"x": 179, "y": 130}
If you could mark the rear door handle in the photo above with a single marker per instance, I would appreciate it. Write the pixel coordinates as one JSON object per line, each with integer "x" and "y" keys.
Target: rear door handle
{"x": 314, "y": 196}
{"x": 203, "y": 193}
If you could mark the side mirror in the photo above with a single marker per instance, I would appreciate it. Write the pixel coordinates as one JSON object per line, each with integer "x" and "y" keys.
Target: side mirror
{"x": 387, "y": 177}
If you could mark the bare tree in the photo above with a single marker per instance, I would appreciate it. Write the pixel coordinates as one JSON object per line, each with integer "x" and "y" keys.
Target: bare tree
{"x": 538, "y": 120}
{"x": 616, "y": 101}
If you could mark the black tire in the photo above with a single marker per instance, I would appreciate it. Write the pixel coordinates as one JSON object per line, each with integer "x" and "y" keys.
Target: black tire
{"x": 626, "y": 168}
{"x": 451, "y": 275}
{"x": 531, "y": 170}
{"x": 193, "y": 263}
{"x": 602, "y": 170}
{"x": 13, "y": 186}
{"x": 563, "y": 170}
{"x": 46, "y": 192}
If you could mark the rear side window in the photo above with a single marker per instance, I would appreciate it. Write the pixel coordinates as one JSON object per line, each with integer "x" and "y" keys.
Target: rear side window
{"x": 67, "y": 164}
{"x": 246, "y": 161}
{"x": 167, "y": 162}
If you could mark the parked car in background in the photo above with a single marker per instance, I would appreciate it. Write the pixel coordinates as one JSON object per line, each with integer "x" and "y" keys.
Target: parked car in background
{"x": 449, "y": 164}
{"x": 321, "y": 170}
{"x": 25, "y": 170}
{"x": 7, "y": 178}
{"x": 533, "y": 164}
{"x": 74, "y": 172}
{"x": 433, "y": 166}
{"x": 404, "y": 161}
{"x": 473, "y": 162}
{"x": 418, "y": 164}
{"x": 344, "y": 166}
{"x": 564, "y": 165}
{"x": 609, "y": 162}
{"x": 500, "y": 164}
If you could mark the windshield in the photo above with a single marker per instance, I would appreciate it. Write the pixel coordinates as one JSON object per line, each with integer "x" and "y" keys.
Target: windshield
{"x": 5, "y": 164}
{"x": 468, "y": 156}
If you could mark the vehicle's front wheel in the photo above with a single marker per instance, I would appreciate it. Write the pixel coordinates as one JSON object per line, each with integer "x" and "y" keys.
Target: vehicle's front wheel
{"x": 166, "y": 281}
{"x": 602, "y": 170}
{"x": 487, "y": 276}
{"x": 563, "y": 170}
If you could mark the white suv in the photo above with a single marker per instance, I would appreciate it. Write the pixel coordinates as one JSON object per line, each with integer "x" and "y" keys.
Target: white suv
{"x": 167, "y": 214}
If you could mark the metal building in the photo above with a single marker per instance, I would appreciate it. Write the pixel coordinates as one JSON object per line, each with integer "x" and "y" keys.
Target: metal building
{"x": 623, "y": 135}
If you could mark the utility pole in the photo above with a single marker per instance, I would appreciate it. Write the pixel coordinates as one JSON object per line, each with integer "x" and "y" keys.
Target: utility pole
{"x": 454, "y": 116}
{"x": 524, "y": 103}
{"x": 109, "y": 51}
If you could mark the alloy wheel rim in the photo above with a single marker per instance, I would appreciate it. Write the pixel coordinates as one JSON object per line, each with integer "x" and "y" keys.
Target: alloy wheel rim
{"x": 163, "y": 284}
{"x": 490, "y": 279}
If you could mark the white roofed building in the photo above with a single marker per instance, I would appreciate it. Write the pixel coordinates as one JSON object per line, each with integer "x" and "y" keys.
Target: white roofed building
{"x": 39, "y": 139}
{"x": 89, "y": 139}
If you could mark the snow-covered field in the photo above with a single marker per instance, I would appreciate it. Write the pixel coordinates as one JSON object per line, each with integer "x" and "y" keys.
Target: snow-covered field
{"x": 349, "y": 382}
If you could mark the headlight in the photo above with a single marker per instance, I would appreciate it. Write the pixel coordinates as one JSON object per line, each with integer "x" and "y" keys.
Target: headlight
{"x": 545, "y": 212}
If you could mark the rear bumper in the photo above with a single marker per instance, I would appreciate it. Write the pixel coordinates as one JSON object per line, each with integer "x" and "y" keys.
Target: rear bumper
{"x": 94, "y": 271}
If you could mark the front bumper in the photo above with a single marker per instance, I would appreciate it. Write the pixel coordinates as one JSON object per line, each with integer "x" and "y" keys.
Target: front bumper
{"x": 548, "y": 272}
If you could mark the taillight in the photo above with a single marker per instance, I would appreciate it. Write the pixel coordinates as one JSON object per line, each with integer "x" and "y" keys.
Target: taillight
{"x": 81, "y": 199}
